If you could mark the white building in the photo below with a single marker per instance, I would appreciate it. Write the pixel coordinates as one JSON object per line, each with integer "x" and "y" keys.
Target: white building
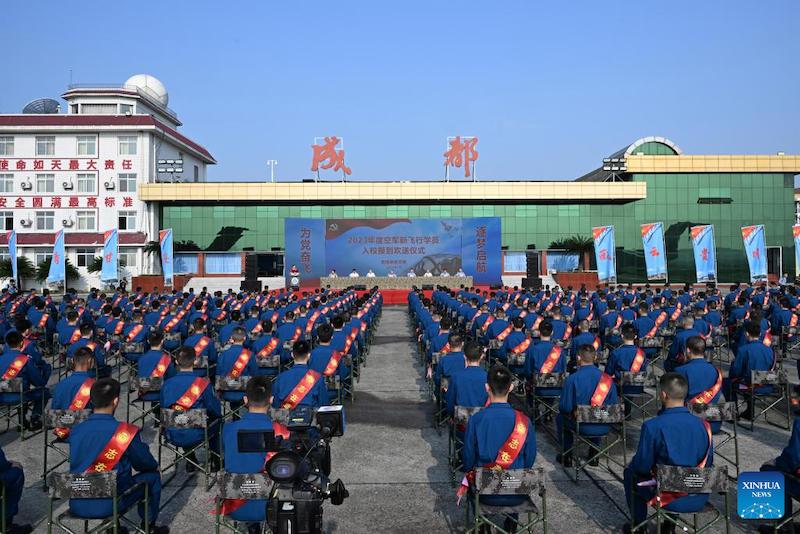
{"x": 80, "y": 171}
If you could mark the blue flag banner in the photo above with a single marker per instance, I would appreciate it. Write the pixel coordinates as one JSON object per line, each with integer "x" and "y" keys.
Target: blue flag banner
{"x": 755, "y": 247}
{"x": 165, "y": 238}
{"x": 109, "y": 272}
{"x": 12, "y": 253}
{"x": 57, "y": 271}
{"x": 796, "y": 234}
{"x": 705, "y": 256}
{"x": 605, "y": 253}
{"x": 655, "y": 256}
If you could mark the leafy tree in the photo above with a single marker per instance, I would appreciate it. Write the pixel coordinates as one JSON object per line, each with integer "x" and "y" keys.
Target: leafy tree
{"x": 43, "y": 270}
{"x": 96, "y": 265}
{"x": 25, "y": 268}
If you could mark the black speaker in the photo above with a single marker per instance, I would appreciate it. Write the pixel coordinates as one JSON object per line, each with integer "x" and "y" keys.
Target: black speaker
{"x": 427, "y": 287}
{"x": 250, "y": 267}
{"x": 360, "y": 287}
{"x": 532, "y": 282}
{"x": 251, "y": 285}
{"x": 532, "y": 264}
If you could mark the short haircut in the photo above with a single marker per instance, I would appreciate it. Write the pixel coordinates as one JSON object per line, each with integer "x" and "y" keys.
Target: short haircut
{"x": 137, "y": 315}
{"x": 445, "y": 323}
{"x": 337, "y": 322}
{"x": 257, "y": 391}
{"x": 324, "y": 333}
{"x": 674, "y": 385}
{"x": 87, "y": 329}
{"x": 586, "y": 353}
{"x": 266, "y": 325}
{"x": 301, "y": 348}
{"x": 696, "y": 346}
{"x": 546, "y": 329}
{"x": 753, "y": 329}
{"x": 236, "y": 315}
{"x": 473, "y": 351}
{"x": 154, "y": 338}
{"x": 72, "y": 316}
{"x": 238, "y": 334}
{"x": 186, "y": 357}
{"x": 198, "y": 324}
{"x": 499, "y": 380}
{"x": 288, "y": 316}
{"x": 14, "y": 339}
{"x": 519, "y": 322}
{"x": 23, "y": 325}
{"x": 628, "y": 331}
{"x": 103, "y": 393}
{"x": 82, "y": 355}
{"x": 455, "y": 340}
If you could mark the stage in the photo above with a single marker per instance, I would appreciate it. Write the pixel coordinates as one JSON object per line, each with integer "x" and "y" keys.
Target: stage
{"x": 400, "y": 296}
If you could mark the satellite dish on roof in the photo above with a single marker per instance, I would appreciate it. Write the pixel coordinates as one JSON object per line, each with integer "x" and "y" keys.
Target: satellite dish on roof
{"x": 151, "y": 86}
{"x": 42, "y": 106}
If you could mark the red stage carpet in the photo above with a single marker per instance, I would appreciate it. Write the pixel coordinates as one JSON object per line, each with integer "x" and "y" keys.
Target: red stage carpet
{"x": 400, "y": 296}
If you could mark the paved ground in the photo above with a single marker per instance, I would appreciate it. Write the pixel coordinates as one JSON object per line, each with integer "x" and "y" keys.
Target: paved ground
{"x": 394, "y": 462}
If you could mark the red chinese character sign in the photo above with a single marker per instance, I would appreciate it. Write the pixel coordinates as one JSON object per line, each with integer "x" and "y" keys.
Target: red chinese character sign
{"x": 461, "y": 154}
{"x": 756, "y": 249}
{"x": 326, "y": 156}
{"x": 705, "y": 257}
{"x": 655, "y": 257}
{"x": 605, "y": 253}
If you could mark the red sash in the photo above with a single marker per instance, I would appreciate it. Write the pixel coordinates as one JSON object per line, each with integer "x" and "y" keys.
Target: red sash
{"x": 793, "y": 320}
{"x": 638, "y": 361}
{"x": 767, "y": 339}
{"x": 267, "y": 350}
{"x": 76, "y": 335}
{"x": 201, "y": 345}
{"x": 134, "y": 332}
{"x": 333, "y": 364}
{"x": 601, "y": 391}
{"x": 161, "y": 368}
{"x": 240, "y": 363}
{"x": 537, "y": 322}
{"x": 596, "y": 343}
{"x": 187, "y": 400}
{"x": 567, "y": 332}
{"x": 445, "y": 350}
{"x": 311, "y": 321}
{"x": 659, "y": 321}
{"x": 257, "y": 328}
{"x": 522, "y": 347}
{"x": 489, "y": 320}
{"x": 43, "y": 320}
{"x": 274, "y": 318}
{"x": 354, "y": 333}
{"x": 222, "y": 315}
{"x": 172, "y": 323}
{"x": 297, "y": 333}
{"x": 619, "y": 321}
{"x": 16, "y": 366}
{"x": 118, "y": 328}
{"x": 676, "y": 313}
{"x": 708, "y": 395}
{"x": 504, "y": 334}
{"x": 300, "y": 390}
{"x": 114, "y": 449}
{"x": 551, "y": 361}
{"x": 667, "y": 497}
{"x": 79, "y": 402}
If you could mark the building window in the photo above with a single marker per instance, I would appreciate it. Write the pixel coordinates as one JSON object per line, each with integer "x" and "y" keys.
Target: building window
{"x": 127, "y": 145}
{"x": 6, "y": 146}
{"x": 45, "y": 183}
{"x": 228, "y": 263}
{"x": 87, "y": 145}
{"x": 7, "y": 220}
{"x": 87, "y": 220}
{"x": 84, "y": 256}
{"x": 186, "y": 263}
{"x": 127, "y": 257}
{"x": 196, "y": 173}
{"x": 45, "y": 220}
{"x": 127, "y": 183}
{"x": 127, "y": 220}
{"x": 514, "y": 262}
{"x": 86, "y": 183}
{"x": 98, "y": 109}
{"x": 73, "y": 109}
{"x": 6, "y": 183}
{"x": 125, "y": 108}
{"x": 42, "y": 254}
{"x": 45, "y": 145}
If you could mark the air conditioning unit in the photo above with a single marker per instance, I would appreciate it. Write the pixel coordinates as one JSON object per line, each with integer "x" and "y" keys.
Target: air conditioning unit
{"x": 27, "y": 223}
{"x": 68, "y": 223}
{"x": 109, "y": 185}
{"x": 27, "y": 186}
{"x": 68, "y": 186}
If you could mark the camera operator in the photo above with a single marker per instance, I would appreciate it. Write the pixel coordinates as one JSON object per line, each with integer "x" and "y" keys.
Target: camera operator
{"x": 300, "y": 386}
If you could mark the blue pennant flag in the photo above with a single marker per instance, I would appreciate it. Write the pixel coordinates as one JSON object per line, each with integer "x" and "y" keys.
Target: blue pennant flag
{"x": 109, "y": 273}
{"x": 655, "y": 256}
{"x": 605, "y": 254}
{"x": 57, "y": 270}
{"x": 705, "y": 256}
{"x": 165, "y": 238}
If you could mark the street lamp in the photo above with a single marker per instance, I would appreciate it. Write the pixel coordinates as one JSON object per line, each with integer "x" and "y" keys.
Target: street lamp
{"x": 272, "y": 164}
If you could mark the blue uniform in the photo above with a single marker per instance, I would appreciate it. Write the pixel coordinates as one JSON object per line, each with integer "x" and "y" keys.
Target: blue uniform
{"x": 674, "y": 437}
{"x": 320, "y": 357}
{"x": 701, "y": 375}
{"x": 246, "y": 462}
{"x": 259, "y": 345}
{"x": 467, "y": 388}
{"x": 448, "y": 366}
{"x": 14, "y": 480}
{"x": 289, "y": 379}
{"x": 68, "y": 388}
{"x": 147, "y": 365}
{"x": 755, "y": 356}
{"x": 621, "y": 359}
{"x": 86, "y": 441}
{"x": 534, "y": 360}
{"x": 227, "y": 359}
{"x": 675, "y": 356}
{"x": 172, "y": 391}
{"x": 30, "y": 377}
{"x": 578, "y": 390}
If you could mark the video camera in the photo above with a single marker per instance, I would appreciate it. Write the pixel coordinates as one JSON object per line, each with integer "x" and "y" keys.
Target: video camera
{"x": 300, "y": 469}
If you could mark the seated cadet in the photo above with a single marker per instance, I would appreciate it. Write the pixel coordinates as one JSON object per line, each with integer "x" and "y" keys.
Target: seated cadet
{"x": 87, "y": 331}
{"x": 267, "y": 345}
{"x": 586, "y": 386}
{"x": 612, "y": 319}
{"x": 515, "y": 341}
{"x": 236, "y": 361}
{"x": 13, "y": 479}
{"x": 14, "y": 364}
{"x": 227, "y": 330}
{"x": 583, "y": 336}
{"x": 561, "y": 330}
{"x": 453, "y": 362}
{"x": 439, "y": 342}
{"x": 69, "y": 332}
{"x": 753, "y": 356}
{"x": 136, "y": 332}
{"x": 322, "y": 358}
{"x": 203, "y": 347}
{"x": 155, "y": 363}
{"x": 627, "y": 357}
{"x": 90, "y": 451}
{"x": 468, "y": 387}
{"x": 491, "y": 433}
{"x": 545, "y": 357}
{"x": 647, "y": 327}
{"x": 675, "y": 355}
{"x": 29, "y": 348}
{"x": 789, "y": 464}
{"x": 299, "y": 386}
{"x": 72, "y": 393}
{"x": 256, "y": 419}
{"x": 288, "y": 332}
{"x": 705, "y": 380}
{"x": 173, "y": 323}
{"x": 674, "y": 437}
{"x": 187, "y": 391}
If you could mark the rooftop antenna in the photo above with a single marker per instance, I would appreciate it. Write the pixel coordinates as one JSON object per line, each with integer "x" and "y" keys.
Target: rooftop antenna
{"x": 70, "y": 75}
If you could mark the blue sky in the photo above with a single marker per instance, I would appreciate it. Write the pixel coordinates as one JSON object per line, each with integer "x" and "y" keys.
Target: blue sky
{"x": 548, "y": 88}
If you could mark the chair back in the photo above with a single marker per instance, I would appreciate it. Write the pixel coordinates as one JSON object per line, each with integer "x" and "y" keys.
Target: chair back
{"x": 254, "y": 336}
{"x": 272, "y": 361}
{"x": 533, "y": 333}
{"x": 435, "y": 357}
{"x": 612, "y": 331}
{"x": 594, "y": 324}
{"x": 655, "y": 342}
{"x": 714, "y": 413}
{"x": 769, "y": 378}
{"x": 790, "y": 330}
{"x": 11, "y": 385}
{"x": 218, "y": 323}
{"x": 231, "y": 383}
{"x": 252, "y": 486}
{"x": 65, "y": 418}
{"x": 333, "y": 382}
{"x": 495, "y": 344}
{"x": 462, "y": 414}
{"x": 516, "y": 358}
{"x": 146, "y": 384}
{"x": 288, "y": 345}
{"x": 201, "y": 362}
{"x": 222, "y": 347}
{"x": 562, "y": 343}
{"x": 445, "y": 383}
{"x": 509, "y": 482}
{"x": 131, "y": 348}
{"x": 172, "y": 336}
{"x": 719, "y": 331}
{"x": 669, "y": 331}
{"x": 183, "y": 419}
{"x": 692, "y": 480}
{"x": 613, "y": 413}
{"x": 83, "y": 485}
{"x": 645, "y": 379}
{"x": 549, "y": 380}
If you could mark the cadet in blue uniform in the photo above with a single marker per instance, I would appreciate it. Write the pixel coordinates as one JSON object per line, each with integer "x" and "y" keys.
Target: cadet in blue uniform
{"x": 701, "y": 375}
{"x": 287, "y": 381}
{"x": 579, "y": 388}
{"x": 252, "y": 512}
{"x": 66, "y": 390}
{"x": 86, "y": 341}
{"x": 513, "y": 340}
{"x": 622, "y": 359}
{"x": 452, "y": 362}
{"x": 173, "y": 393}
{"x": 490, "y": 429}
{"x": 539, "y": 354}
{"x": 14, "y": 480}
{"x": 754, "y": 356}
{"x": 468, "y": 387}
{"x": 232, "y": 363}
{"x": 30, "y": 377}
{"x": 321, "y": 356}
{"x": 610, "y": 320}
{"x": 209, "y": 351}
{"x": 675, "y": 355}
{"x": 87, "y": 442}
{"x": 674, "y": 437}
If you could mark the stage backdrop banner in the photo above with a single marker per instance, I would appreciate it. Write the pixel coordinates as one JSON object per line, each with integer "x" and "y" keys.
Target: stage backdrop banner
{"x": 654, "y": 257}
{"x": 755, "y": 247}
{"x": 705, "y": 256}
{"x": 605, "y": 254}
{"x": 318, "y": 246}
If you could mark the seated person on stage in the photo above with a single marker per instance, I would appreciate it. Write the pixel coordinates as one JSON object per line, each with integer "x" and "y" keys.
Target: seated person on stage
{"x": 788, "y": 463}
{"x": 492, "y": 431}
{"x": 674, "y": 437}
{"x": 252, "y": 512}
{"x": 468, "y": 387}
{"x": 187, "y": 391}
{"x": 14, "y": 364}
{"x": 451, "y": 363}
{"x": 13, "y": 478}
{"x": 753, "y": 356}
{"x": 545, "y": 357}
{"x": 428, "y": 274}
{"x": 586, "y": 386}
{"x": 90, "y": 451}
{"x": 236, "y": 361}
{"x": 299, "y": 386}
{"x": 333, "y": 274}
{"x": 460, "y": 272}
{"x": 72, "y": 393}
{"x": 676, "y": 356}
{"x": 627, "y": 358}
{"x": 705, "y": 380}
{"x": 444, "y": 273}
{"x": 411, "y": 273}
{"x": 370, "y": 274}
{"x": 354, "y": 274}
{"x": 87, "y": 331}
{"x": 392, "y": 274}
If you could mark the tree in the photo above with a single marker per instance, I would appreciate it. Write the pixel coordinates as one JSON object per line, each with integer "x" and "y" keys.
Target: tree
{"x": 96, "y": 265}
{"x": 153, "y": 248}
{"x": 581, "y": 245}
{"x": 43, "y": 270}
{"x": 25, "y": 268}
{"x": 559, "y": 244}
